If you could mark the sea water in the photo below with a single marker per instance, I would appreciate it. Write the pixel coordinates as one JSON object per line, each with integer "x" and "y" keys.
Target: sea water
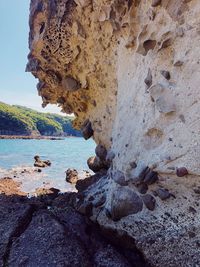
{"x": 71, "y": 152}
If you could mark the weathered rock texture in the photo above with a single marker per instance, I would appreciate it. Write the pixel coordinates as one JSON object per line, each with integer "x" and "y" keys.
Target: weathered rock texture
{"x": 129, "y": 70}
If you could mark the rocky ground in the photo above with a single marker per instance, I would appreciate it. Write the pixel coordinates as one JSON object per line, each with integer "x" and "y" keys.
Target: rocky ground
{"x": 48, "y": 231}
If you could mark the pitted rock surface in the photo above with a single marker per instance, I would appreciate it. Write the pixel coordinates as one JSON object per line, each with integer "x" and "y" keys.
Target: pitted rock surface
{"x": 129, "y": 72}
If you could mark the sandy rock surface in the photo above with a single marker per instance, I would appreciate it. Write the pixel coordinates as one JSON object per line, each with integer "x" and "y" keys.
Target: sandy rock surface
{"x": 129, "y": 70}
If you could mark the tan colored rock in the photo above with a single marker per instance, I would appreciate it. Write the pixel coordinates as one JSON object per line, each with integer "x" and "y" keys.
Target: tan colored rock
{"x": 108, "y": 47}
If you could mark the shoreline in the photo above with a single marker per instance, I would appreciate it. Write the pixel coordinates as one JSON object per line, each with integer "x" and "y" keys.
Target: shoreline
{"x": 29, "y": 137}
{"x": 30, "y": 179}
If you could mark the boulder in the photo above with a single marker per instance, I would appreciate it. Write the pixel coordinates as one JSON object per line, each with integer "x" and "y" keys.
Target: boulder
{"x": 87, "y": 130}
{"x": 96, "y": 165}
{"x": 124, "y": 202}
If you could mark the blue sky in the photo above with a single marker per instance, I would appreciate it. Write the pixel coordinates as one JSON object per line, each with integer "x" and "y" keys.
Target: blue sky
{"x": 17, "y": 86}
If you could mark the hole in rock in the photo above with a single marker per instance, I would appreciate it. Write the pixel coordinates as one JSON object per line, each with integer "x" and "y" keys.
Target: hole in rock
{"x": 149, "y": 45}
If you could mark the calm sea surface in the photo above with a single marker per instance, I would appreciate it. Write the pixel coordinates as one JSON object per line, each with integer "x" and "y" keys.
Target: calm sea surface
{"x": 68, "y": 153}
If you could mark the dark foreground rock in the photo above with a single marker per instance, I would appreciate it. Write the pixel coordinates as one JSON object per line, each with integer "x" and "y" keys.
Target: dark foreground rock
{"x": 50, "y": 232}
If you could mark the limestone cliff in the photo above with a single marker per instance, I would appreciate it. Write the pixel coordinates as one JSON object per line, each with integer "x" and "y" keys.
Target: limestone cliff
{"x": 129, "y": 70}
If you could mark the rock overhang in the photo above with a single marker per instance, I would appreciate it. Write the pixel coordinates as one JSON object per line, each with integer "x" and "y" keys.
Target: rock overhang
{"x": 129, "y": 72}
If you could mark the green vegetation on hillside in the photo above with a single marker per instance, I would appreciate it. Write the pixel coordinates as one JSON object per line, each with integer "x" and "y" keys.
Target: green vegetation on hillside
{"x": 18, "y": 120}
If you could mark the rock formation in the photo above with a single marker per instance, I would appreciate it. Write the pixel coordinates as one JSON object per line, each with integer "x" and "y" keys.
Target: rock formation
{"x": 129, "y": 71}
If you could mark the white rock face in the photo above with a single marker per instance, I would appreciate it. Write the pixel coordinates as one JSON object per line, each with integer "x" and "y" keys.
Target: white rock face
{"x": 137, "y": 64}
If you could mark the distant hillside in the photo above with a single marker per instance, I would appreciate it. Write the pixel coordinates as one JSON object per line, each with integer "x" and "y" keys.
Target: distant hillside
{"x": 18, "y": 120}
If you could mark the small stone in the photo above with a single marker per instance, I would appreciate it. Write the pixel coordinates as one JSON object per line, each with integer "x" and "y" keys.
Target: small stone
{"x": 151, "y": 178}
{"x": 101, "y": 152}
{"x": 163, "y": 193}
{"x": 119, "y": 178}
{"x": 142, "y": 188}
{"x": 87, "y": 130}
{"x": 71, "y": 176}
{"x": 149, "y": 201}
{"x": 180, "y": 172}
{"x": 40, "y": 163}
{"x": 125, "y": 202}
{"x": 155, "y": 3}
{"x": 166, "y": 74}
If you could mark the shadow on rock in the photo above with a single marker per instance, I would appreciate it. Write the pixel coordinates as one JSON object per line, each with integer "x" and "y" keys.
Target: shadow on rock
{"x": 48, "y": 231}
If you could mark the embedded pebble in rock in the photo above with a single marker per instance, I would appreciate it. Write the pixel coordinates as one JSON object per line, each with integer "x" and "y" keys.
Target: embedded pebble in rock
{"x": 163, "y": 193}
{"x": 119, "y": 178}
{"x": 87, "y": 130}
{"x": 149, "y": 201}
{"x": 151, "y": 178}
{"x": 95, "y": 164}
{"x": 101, "y": 152}
{"x": 142, "y": 188}
{"x": 125, "y": 202}
{"x": 166, "y": 74}
{"x": 180, "y": 172}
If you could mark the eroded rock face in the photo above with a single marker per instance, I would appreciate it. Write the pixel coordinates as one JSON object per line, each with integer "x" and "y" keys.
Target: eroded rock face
{"x": 72, "y": 54}
{"x": 130, "y": 70}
